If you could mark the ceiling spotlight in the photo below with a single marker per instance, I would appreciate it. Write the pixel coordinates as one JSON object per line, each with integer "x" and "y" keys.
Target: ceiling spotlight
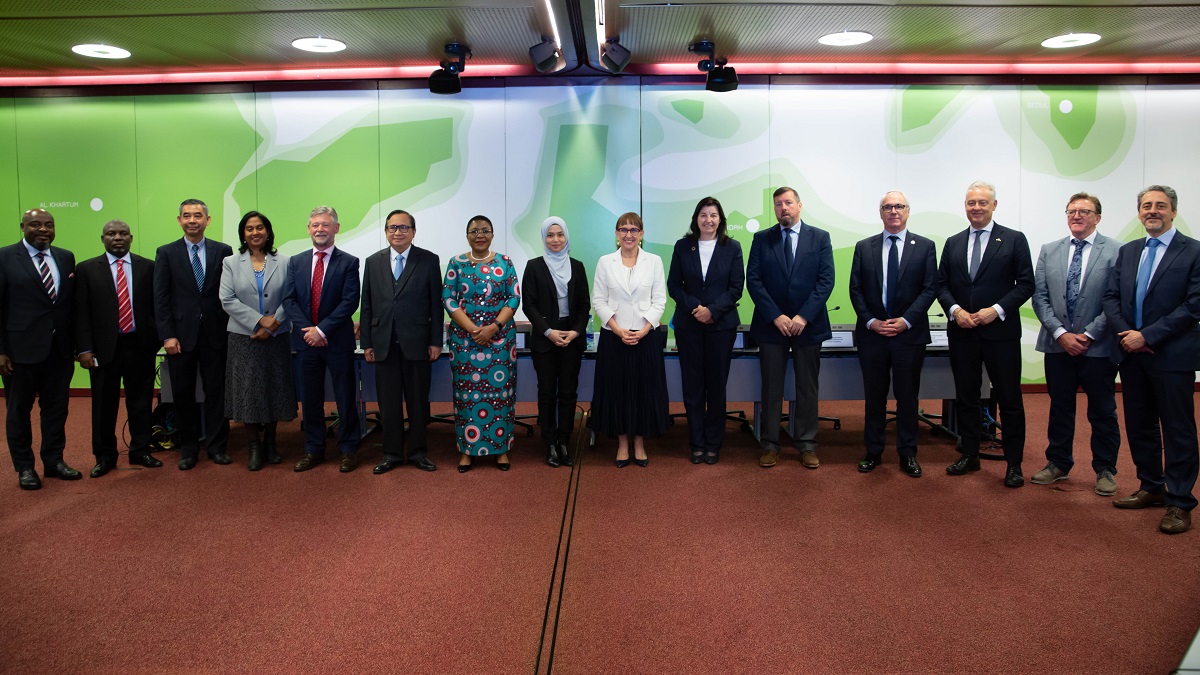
{"x": 720, "y": 76}
{"x": 320, "y": 45}
{"x": 445, "y": 80}
{"x": 101, "y": 51}
{"x": 1070, "y": 40}
{"x": 846, "y": 38}
{"x": 544, "y": 55}
{"x": 614, "y": 56}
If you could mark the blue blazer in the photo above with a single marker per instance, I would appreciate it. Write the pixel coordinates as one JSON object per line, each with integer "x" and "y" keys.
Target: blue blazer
{"x": 915, "y": 289}
{"x": 339, "y": 298}
{"x": 719, "y": 292}
{"x": 1005, "y": 277}
{"x": 805, "y": 292}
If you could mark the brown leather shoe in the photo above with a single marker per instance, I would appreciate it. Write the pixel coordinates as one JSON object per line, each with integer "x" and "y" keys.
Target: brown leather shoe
{"x": 1176, "y": 520}
{"x": 768, "y": 459}
{"x": 349, "y": 462}
{"x": 1140, "y": 500}
{"x": 808, "y": 459}
{"x": 308, "y": 461}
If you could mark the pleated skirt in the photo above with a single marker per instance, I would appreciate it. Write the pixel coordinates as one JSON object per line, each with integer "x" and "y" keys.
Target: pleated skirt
{"x": 629, "y": 395}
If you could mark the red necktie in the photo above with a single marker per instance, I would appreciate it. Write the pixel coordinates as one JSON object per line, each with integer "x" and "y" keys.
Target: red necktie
{"x": 318, "y": 276}
{"x": 124, "y": 307}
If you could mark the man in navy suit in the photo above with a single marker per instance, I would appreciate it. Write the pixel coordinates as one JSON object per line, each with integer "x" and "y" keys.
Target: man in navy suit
{"x": 320, "y": 296}
{"x": 1153, "y": 305}
{"x": 789, "y": 277}
{"x": 37, "y": 284}
{"x": 893, "y": 281}
{"x": 192, "y": 327}
{"x": 985, "y": 275}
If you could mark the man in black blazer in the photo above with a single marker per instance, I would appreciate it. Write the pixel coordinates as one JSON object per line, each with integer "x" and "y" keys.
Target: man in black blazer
{"x": 1153, "y": 305}
{"x": 789, "y": 276}
{"x": 116, "y": 338}
{"x": 986, "y": 274}
{"x": 401, "y": 333}
{"x": 893, "y": 281}
{"x": 192, "y": 327}
{"x": 37, "y": 286}
{"x": 320, "y": 296}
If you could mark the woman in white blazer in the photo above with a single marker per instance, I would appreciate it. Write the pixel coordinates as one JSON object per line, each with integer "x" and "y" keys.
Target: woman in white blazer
{"x": 628, "y": 298}
{"x": 258, "y": 368}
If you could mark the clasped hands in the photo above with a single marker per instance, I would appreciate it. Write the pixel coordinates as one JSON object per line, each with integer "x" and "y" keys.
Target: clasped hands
{"x": 483, "y": 335}
{"x": 562, "y": 338}
{"x": 265, "y": 329}
{"x": 790, "y": 326}
{"x": 889, "y": 327}
{"x": 983, "y": 317}
{"x": 632, "y": 337}
{"x": 1132, "y": 341}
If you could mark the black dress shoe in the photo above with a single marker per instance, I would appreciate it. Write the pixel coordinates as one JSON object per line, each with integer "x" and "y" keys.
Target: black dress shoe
{"x": 187, "y": 463}
{"x": 144, "y": 459}
{"x": 1013, "y": 477}
{"x": 61, "y": 471}
{"x": 622, "y": 463}
{"x": 308, "y": 461}
{"x": 506, "y": 464}
{"x": 349, "y": 462}
{"x": 102, "y": 467}
{"x": 642, "y": 462}
{"x": 552, "y": 456}
{"x": 697, "y": 458}
{"x": 964, "y": 465}
{"x": 387, "y": 465}
{"x": 868, "y": 463}
{"x": 564, "y": 455}
{"x": 257, "y": 456}
{"x": 28, "y": 480}
{"x": 424, "y": 464}
{"x": 910, "y": 467}
{"x": 711, "y": 458}
{"x": 221, "y": 458}
{"x": 463, "y": 468}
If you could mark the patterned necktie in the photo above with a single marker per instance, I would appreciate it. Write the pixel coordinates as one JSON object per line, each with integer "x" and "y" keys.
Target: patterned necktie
{"x": 893, "y": 272}
{"x": 124, "y": 306}
{"x": 789, "y": 256}
{"x": 976, "y": 254}
{"x": 197, "y": 268}
{"x": 317, "y": 277}
{"x": 1073, "y": 274}
{"x": 47, "y": 278}
{"x": 399, "y": 268}
{"x": 1143, "y": 279}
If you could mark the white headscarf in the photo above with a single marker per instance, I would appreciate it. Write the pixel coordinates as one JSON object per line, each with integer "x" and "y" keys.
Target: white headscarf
{"x": 558, "y": 262}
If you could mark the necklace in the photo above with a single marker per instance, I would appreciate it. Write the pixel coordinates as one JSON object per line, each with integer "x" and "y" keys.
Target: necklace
{"x": 489, "y": 254}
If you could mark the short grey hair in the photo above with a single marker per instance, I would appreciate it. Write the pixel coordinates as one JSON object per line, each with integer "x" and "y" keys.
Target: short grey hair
{"x": 193, "y": 202}
{"x": 324, "y": 210}
{"x": 983, "y": 184}
{"x": 1168, "y": 191}
{"x": 893, "y": 192}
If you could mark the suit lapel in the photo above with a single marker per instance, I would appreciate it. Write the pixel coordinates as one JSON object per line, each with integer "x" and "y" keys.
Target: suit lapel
{"x": 407, "y": 273}
{"x": 995, "y": 241}
{"x": 1169, "y": 256}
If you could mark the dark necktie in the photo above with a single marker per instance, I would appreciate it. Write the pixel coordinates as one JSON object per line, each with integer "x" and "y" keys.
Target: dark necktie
{"x": 124, "y": 306}
{"x": 47, "y": 278}
{"x": 317, "y": 277}
{"x": 1143, "y": 279}
{"x": 1073, "y": 274}
{"x": 976, "y": 254}
{"x": 197, "y": 268}
{"x": 789, "y": 256}
{"x": 893, "y": 272}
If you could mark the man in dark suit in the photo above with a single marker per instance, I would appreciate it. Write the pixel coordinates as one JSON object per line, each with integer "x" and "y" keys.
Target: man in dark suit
{"x": 1069, "y": 285}
{"x": 1153, "y": 305}
{"x": 320, "y": 296}
{"x": 116, "y": 338}
{"x": 985, "y": 275}
{"x": 893, "y": 281}
{"x": 37, "y": 286}
{"x": 191, "y": 325}
{"x": 401, "y": 329}
{"x": 789, "y": 276}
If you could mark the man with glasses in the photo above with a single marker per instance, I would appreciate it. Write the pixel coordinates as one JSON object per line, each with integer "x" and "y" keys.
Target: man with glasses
{"x": 789, "y": 275}
{"x": 401, "y": 333}
{"x": 893, "y": 281}
{"x": 986, "y": 274}
{"x": 1069, "y": 284}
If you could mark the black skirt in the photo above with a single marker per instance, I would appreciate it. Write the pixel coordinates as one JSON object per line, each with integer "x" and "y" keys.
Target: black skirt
{"x": 629, "y": 395}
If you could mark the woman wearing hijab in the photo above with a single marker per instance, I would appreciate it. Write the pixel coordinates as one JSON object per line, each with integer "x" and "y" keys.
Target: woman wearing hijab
{"x": 706, "y": 281}
{"x": 555, "y": 291}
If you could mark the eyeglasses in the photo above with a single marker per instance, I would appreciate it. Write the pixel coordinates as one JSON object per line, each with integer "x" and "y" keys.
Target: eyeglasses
{"x": 628, "y": 230}
{"x": 886, "y": 208}
{"x": 399, "y": 228}
{"x": 1079, "y": 212}
{"x": 476, "y": 233}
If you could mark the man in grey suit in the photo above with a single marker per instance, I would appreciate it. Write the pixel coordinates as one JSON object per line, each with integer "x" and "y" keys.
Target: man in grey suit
{"x": 401, "y": 333}
{"x": 1069, "y": 284}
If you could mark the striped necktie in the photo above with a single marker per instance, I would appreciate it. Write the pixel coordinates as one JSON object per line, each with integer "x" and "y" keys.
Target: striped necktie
{"x": 47, "y": 278}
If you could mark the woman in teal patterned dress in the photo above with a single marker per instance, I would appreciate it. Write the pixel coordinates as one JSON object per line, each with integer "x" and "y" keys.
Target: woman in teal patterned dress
{"x": 481, "y": 294}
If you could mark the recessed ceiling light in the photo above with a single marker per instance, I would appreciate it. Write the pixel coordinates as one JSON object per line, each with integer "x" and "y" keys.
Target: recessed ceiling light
{"x": 846, "y": 38}
{"x": 101, "y": 51}
{"x": 319, "y": 44}
{"x": 1070, "y": 40}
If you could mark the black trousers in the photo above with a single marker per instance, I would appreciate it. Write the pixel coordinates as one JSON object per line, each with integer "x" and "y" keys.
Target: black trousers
{"x": 314, "y": 362}
{"x": 1152, "y": 397}
{"x": 890, "y": 364}
{"x": 968, "y": 356}
{"x": 402, "y": 383}
{"x": 1065, "y": 374}
{"x": 207, "y": 361}
{"x": 558, "y": 389}
{"x": 48, "y": 382}
{"x": 136, "y": 368}
{"x": 806, "y": 366}
{"x": 704, "y": 357}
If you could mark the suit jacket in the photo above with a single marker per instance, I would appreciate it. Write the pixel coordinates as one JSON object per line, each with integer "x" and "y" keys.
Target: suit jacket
{"x": 1005, "y": 278}
{"x": 916, "y": 287}
{"x": 31, "y": 326}
{"x": 1050, "y": 295}
{"x": 541, "y": 303}
{"x": 805, "y": 292}
{"x": 1172, "y": 306}
{"x": 719, "y": 291}
{"x": 97, "y": 319}
{"x": 179, "y": 306}
{"x": 239, "y": 292}
{"x": 339, "y": 298}
{"x": 412, "y": 308}
{"x": 629, "y": 298}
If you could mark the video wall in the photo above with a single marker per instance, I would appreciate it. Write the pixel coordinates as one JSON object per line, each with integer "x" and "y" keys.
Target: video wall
{"x": 590, "y": 153}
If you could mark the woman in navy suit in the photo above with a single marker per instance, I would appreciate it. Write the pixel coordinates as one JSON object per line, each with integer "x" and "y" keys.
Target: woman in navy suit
{"x": 706, "y": 281}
